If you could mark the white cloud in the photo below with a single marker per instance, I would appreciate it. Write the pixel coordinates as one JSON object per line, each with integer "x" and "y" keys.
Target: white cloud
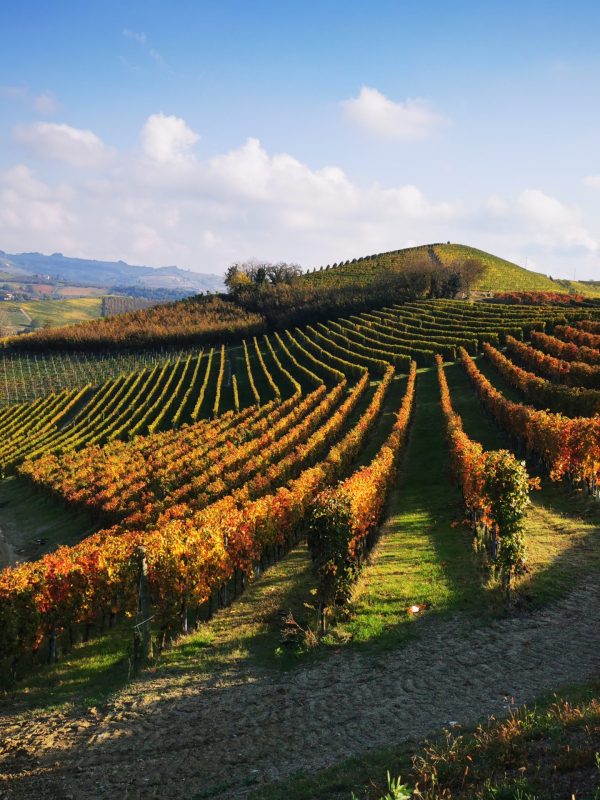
{"x": 161, "y": 204}
{"x": 137, "y": 36}
{"x": 75, "y": 146}
{"x": 593, "y": 181}
{"x": 167, "y": 139}
{"x": 32, "y": 211}
{"x": 205, "y": 214}
{"x": 410, "y": 120}
{"x": 545, "y": 220}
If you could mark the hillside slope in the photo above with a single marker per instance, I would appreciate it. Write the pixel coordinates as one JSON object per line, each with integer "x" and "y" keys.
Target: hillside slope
{"x": 500, "y": 275}
{"x": 332, "y": 292}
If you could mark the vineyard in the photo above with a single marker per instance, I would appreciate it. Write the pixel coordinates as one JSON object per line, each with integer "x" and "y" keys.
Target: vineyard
{"x": 208, "y": 468}
{"x": 217, "y": 455}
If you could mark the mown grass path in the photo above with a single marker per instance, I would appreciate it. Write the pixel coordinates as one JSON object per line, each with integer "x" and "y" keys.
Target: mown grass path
{"x": 423, "y": 555}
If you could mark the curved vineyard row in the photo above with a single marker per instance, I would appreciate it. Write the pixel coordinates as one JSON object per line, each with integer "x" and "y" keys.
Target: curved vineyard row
{"x": 187, "y": 558}
{"x": 579, "y": 337}
{"x": 170, "y": 394}
{"x": 199, "y": 503}
{"x": 571, "y": 373}
{"x": 574, "y": 401}
{"x": 196, "y": 386}
{"x": 568, "y": 351}
{"x": 26, "y": 376}
{"x": 418, "y": 329}
{"x": 495, "y": 488}
{"x": 565, "y": 446}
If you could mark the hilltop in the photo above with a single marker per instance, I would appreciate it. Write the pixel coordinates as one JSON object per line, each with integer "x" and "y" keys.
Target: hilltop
{"x": 500, "y": 275}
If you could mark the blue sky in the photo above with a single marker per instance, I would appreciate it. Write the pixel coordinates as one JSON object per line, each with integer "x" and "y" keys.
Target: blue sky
{"x": 199, "y": 134}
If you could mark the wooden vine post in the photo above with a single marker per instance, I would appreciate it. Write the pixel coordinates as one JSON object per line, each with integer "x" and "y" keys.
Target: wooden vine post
{"x": 142, "y": 631}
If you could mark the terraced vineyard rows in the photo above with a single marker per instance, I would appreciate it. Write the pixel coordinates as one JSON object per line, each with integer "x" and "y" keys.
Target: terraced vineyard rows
{"x": 196, "y": 385}
{"x": 197, "y": 489}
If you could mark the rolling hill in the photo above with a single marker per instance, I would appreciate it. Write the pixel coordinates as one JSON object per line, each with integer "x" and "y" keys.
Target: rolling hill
{"x": 107, "y": 274}
{"x": 500, "y": 275}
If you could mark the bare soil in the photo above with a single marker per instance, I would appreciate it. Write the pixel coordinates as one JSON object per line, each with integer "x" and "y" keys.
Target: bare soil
{"x": 183, "y": 736}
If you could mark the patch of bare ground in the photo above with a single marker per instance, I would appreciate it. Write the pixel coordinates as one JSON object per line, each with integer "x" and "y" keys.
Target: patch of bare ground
{"x": 189, "y": 735}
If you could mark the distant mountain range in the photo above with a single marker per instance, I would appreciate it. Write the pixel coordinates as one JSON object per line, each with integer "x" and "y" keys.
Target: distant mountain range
{"x": 106, "y": 274}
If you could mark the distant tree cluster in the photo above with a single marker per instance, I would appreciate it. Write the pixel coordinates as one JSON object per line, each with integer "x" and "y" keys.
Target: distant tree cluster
{"x": 258, "y": 274}
{"x": 263, "y": 295}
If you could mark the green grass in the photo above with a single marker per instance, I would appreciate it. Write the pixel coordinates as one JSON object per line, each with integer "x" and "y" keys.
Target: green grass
{"x": 248, "y": 630}
{"x": 37, "y": 523}
{"x": 251, "y": 627}
{"x": 51, "y": 313}
{"x": 562, "y": 525}
{"x": 542, "y": 752}
{"x": 85, "y": 677}
{"x": 499, "y": 275}
{"x": 422, "y": 556}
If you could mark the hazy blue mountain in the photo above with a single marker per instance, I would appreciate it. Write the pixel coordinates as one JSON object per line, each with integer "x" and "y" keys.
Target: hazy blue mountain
{"x": 88, "y": 272}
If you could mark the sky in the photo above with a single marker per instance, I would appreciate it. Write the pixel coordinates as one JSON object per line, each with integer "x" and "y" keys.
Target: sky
{"x": 200, "y": 134}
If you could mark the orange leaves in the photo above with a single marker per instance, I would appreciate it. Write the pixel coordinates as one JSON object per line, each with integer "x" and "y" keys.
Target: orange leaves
{"x": 467, "y": 456}
{"x": 189, "y": 551}
{"x": 572, "y": 401}
{"x": 572, "y": 373}
{"x": 538, "y": 298}
{"x": 568, "y": 446}
{"x": 579, "y": 337}
{"x": 366, "y": 489}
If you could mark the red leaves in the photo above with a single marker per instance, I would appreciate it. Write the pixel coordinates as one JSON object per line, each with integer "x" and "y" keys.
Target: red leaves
{"x": 566, "y": 445}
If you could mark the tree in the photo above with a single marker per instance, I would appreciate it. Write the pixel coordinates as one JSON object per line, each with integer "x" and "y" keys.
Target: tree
{"x": 470, "y": 270}
{"x": 236, "y": 278}
{"x": 283, "y": 273}
{"x": 257, "y": 274}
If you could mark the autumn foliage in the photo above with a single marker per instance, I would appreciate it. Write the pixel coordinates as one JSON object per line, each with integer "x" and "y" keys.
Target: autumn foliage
{"x": 343, "y": 518}
{"x": 567, "y": 447}
{"x": 572, "y": 400}
{"x": 571, "y": 373}
{"x": 191, "y": 551}
{"x": 495, "y": 488}
{"x": 538, "y": 298}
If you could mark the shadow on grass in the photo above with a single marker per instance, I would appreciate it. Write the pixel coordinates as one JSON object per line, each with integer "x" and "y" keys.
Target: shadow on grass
{"x": 86, "y": 676}
{"x": 563, "y": 525}
{"x": 423, "y": 554}
{"x": 251, "y": 628}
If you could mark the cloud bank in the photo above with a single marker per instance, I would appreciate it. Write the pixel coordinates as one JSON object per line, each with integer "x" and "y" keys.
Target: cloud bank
{"x": 164, "y": 203}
